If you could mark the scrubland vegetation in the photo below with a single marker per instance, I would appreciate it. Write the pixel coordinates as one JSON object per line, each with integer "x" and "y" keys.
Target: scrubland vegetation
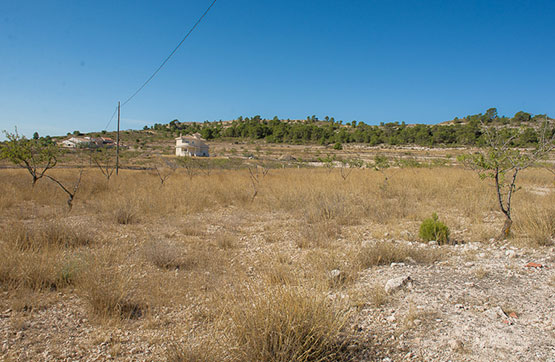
{"x": 201, "y": 270}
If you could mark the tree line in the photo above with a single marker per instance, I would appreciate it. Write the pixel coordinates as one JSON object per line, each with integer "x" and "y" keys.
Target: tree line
{"x": 466, "y": 131}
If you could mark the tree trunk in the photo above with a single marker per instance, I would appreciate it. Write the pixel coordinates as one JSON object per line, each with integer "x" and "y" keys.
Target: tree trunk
{"x": 506, "y": 230}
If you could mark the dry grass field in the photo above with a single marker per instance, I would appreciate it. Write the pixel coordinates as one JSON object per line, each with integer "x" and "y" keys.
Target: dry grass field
{"x": 197, "y": 269}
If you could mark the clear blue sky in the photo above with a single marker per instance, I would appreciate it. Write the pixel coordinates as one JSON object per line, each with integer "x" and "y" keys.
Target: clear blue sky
{"x": 65, "y": 64}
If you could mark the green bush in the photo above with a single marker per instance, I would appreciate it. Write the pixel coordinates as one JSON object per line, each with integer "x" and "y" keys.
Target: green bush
{"x": 433, "y": 229}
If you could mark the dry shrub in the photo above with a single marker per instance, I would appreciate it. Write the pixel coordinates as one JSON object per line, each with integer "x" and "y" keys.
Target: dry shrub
{"x": 32, "y": 269}
{"x": 384, "y": 253}
{"x": 225, "y": 241}
{"x": 125, "y": 214}
{"x": 52, "y": 234}
{"x": 286, "y": 324}
{"x": 481, "y": 273}
{"x": 190, "y": 229}
{"x": 327, "y": 206}
{"x": 96, "y": 187}
{"x": 110, "y": 292}
{"x": 378, "y": 295}
{"x": 318, "y": 235}
{"x": 168, "y": 256}
{"x": 189, "y": 353}
{"x": 536, "y": 225}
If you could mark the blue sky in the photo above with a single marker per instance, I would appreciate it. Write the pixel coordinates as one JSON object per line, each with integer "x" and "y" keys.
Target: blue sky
{"x": 65, "y": 64}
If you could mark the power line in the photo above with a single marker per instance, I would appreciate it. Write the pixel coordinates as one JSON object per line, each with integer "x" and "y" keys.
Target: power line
{"x": 111, "y": 118}
{"x": 169, "y": 56}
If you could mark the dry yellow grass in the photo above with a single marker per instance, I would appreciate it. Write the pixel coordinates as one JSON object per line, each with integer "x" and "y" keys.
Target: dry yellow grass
{"x": 255, "y": 273}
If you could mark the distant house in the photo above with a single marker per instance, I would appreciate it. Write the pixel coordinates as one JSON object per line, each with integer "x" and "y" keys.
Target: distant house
{"x": 75, "y": 142}
{"x": 87, "y": 142}
{"x": 191, "y": 145}
{"x": 107, "y": 142}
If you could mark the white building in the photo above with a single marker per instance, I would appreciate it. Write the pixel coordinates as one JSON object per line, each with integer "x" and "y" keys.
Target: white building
{"x": 191, "y": 145}
{"x": 75, "y": 142}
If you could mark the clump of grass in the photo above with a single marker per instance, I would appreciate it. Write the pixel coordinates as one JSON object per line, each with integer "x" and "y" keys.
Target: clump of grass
{"x": 378, "y": 295}
{"x": 481, "y": 273}
{"x": 190, "y": 229}
{"x": 31, "y": 269}
{"x": 125, "y": 214}
{"x": 191, "y": 353}
{"x": 225, "y": 241}
{"x": 285, "y": 324}
{"x": 110, "y": 293}
{"x": 167, "y": 256}
{"x": 433, "y": 229}
{"x": 384, "y": 253}
{"x": 319, "y": 235}
{"x": 536, "y": 224}
{"x": 52, "y": 234}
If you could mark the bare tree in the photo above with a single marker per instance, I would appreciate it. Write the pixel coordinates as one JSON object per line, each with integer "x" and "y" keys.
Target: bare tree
{"x": 69, "y": 191}
{"x": 380, "y": 164}
{"x": 165, "y": 171}
{"x": 190, "y": 166}
{"x": 502, "y": 162}
{"x": 348, "y": 165}
{"x": 255, "y": 180}
{"x": 105, "y": 162}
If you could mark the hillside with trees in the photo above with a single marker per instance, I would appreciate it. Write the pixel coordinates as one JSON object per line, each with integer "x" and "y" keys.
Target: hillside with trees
{"x": 466, "y": 131}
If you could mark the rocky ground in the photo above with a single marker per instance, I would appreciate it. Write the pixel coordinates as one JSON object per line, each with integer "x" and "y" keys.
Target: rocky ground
{"x": 493, "y": 303}
{"x": 480, "y": 302}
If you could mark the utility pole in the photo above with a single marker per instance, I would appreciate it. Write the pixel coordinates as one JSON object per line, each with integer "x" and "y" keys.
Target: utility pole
{"x": 117, "y": 144}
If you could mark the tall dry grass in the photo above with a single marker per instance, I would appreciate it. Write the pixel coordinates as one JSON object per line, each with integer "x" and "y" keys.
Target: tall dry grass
{"x": 132, "y": 250}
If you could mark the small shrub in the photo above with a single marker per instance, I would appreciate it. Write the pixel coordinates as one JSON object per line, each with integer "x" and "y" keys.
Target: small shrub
{"x": 53, "y": 234}
{"x": 167, "y": 256}
{"x": 125, "y": 214}
{"x": 30, "y": 269}
{"x": 188, "y": 353}
{"x": 225, "y": 241}
{"x": 433, "y": 229}
{"x": 385, "y": 253}
{"x": 378, "y": 295}
{"x": 286, "y": 325}
{"x": 110, "y": 294}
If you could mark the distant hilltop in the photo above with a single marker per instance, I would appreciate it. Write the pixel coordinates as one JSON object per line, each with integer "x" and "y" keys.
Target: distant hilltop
{"x": 465, "y": 131}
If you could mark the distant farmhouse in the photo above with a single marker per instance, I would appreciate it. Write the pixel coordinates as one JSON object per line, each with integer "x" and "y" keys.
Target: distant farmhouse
{"x": 191, "y": 145}
{"x": 88, "y": 142}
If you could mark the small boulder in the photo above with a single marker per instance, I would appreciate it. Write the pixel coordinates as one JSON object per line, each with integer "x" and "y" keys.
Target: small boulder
{"x": 456, "y": 345}
{"x": 510, "y": 253}
{"x": 495, "y": 313}
{"x": 336, "y": 275}
{"x": 395, "y": 284}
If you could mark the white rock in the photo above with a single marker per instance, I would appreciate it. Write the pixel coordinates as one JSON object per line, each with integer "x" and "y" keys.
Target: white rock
{"x": 397, "y": 264}
{"x": 456, "y": 345}
{"x": 495, "y": 313}
{"x": 335, "y": 274}
{"x": 510, "y": 253}
{"x": 395, "y": 284}
{"x": 433, "y": 243}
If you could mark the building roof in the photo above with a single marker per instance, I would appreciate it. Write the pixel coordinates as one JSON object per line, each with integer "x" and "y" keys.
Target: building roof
{"x": 196, "y": 136}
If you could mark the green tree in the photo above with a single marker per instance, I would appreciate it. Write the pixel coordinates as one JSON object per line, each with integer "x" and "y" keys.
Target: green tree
{"x": 502, "y": 163}
{"x": 521, "y": 116}
{"x": 33, "y": 155}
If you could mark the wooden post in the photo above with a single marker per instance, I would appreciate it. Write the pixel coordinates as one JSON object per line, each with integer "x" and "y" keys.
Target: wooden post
{"x": 117, "y": 143}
